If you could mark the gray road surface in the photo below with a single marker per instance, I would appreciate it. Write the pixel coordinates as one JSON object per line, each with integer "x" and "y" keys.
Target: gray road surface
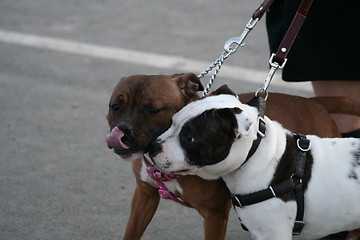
{"x": 58, "y": 180}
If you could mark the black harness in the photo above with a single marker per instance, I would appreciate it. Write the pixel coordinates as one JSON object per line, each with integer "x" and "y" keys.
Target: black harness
{"x": 293, "y": 183}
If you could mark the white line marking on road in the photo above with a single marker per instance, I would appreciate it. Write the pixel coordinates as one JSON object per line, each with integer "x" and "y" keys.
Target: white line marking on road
{"x": 143, "y": 58}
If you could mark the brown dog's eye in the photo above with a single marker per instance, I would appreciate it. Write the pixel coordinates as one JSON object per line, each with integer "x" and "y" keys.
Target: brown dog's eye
{"x": 115, "y": 107}
{"x": 153, "y": 110}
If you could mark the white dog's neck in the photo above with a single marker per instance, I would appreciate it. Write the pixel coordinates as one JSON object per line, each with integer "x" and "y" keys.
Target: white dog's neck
{"x": 258, "y": 171}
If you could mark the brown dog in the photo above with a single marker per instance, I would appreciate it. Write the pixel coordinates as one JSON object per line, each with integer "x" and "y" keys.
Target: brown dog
{"x": 141, "y": 108}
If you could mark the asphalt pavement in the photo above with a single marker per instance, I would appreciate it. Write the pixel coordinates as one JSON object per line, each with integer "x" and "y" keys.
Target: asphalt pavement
{"x": 59, "y": 61}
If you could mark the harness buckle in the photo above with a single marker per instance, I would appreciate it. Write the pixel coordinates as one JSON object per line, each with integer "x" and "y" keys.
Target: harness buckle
{"x": 236, "y": 201}
{"x": 298, "y": 226}
{"x": 262, "y": 127}
{"x": 272, "y": 191}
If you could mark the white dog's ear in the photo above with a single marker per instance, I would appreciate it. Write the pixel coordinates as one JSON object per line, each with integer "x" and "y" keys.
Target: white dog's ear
{"x": 244, "y": 124}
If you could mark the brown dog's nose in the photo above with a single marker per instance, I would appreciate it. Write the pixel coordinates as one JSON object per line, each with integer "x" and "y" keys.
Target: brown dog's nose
{"x": 114, "y": 139}
{"x": 125, "y": 129}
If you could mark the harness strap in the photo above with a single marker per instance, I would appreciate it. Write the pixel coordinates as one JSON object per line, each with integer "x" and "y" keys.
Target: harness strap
{"x": 260, "y": 103}
{"x": 294, "y": 182}
{"x": 263, "y": 195}
{"x": 303, "y": 145}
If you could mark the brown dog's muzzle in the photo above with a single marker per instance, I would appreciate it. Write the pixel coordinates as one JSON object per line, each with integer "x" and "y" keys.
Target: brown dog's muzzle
{"x": 117, "y": 139}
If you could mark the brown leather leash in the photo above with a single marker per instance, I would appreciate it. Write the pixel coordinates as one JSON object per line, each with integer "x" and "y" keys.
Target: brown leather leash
{"x": 292, "y": 32}
{"x": 278, "y": 59}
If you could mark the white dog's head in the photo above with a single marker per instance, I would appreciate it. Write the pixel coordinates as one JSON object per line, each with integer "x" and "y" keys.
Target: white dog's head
{"x": 209, "y": 137}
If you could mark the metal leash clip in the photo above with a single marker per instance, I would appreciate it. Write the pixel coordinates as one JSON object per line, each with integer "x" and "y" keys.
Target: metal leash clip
{"x": 230, "y": 47}
{"x": 274, "y": 66}
{"x": 232, "y": 44}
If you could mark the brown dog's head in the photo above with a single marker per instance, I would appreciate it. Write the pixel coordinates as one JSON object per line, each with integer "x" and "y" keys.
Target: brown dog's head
{"x": 141, "y": 108}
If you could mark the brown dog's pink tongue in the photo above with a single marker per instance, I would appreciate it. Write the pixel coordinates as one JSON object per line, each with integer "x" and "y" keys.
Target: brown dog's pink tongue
{"x": 113, "y": 139}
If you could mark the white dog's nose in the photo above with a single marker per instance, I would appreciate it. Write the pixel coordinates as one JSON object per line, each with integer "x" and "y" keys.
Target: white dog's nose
{"x": 155, "y": 148}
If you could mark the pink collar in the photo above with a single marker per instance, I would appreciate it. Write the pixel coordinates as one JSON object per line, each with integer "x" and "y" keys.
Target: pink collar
{"x": 160, "y": 178}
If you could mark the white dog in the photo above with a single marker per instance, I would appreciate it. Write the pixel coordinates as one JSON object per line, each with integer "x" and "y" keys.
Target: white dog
{"x": 212, "y": 137}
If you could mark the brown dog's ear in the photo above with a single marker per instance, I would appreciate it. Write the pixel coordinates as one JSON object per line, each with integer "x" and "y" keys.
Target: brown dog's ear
{"x": 189, "y": 84}
{"x": 224, "y": 89}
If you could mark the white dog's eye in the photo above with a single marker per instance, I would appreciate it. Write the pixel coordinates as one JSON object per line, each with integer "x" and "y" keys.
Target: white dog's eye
{"x": 189, "y": 138}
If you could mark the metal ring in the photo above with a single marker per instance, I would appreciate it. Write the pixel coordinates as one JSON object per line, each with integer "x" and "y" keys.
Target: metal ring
{"x": 263, "y": 91}
{"x": 302, "y": 149}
